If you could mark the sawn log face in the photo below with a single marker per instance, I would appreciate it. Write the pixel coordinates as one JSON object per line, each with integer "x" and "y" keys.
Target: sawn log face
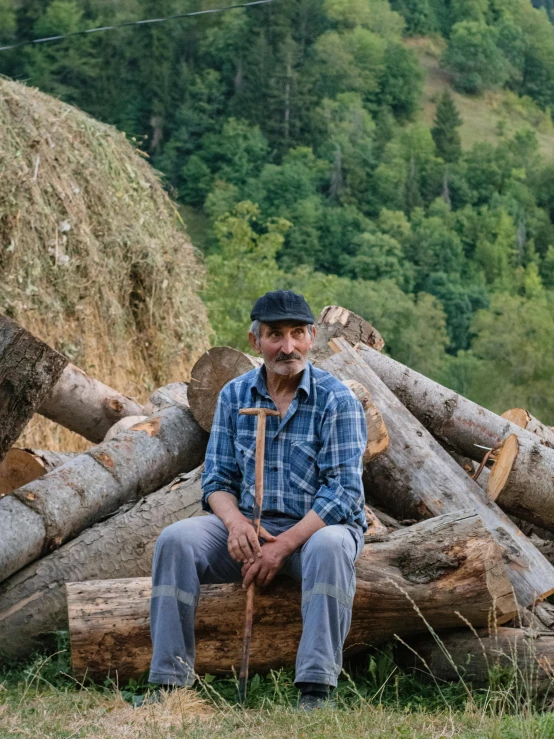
{"x": 444, "y": 565}
{"x": 28, "y": 370}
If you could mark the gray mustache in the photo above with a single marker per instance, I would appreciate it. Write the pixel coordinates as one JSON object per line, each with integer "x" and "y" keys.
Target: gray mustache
{"x": 281, "y": 357}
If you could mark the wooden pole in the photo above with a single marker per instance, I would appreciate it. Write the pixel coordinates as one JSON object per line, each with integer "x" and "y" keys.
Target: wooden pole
{"x": 262, "y": 414}
{"x": 85, "y": 405}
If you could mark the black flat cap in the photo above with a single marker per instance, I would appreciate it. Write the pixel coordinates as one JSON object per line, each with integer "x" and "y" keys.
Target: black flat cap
{"x": 282, "y": 305}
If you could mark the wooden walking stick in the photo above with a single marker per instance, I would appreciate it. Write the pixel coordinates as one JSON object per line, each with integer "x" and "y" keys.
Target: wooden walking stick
{"x": 262, "y": 414}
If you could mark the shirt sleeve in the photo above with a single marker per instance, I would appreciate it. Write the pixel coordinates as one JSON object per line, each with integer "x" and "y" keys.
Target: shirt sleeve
{"x": 340, "y": 498}
{"x": 221, "y": 471}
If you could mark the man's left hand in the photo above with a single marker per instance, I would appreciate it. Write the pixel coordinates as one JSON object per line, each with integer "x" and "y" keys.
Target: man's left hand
{"x": 264, "y": 569}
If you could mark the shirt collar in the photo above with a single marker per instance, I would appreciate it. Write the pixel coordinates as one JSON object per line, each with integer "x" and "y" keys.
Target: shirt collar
{"x": 259, "y": 384}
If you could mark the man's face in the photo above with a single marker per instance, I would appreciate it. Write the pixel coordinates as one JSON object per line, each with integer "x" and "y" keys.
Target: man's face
{"x": 284, "y": 346}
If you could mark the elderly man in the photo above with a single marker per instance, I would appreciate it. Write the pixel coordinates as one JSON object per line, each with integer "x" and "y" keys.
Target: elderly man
{"x": 313, "y": 514}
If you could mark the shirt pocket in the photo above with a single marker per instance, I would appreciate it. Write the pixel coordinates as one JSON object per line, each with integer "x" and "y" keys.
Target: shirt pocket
{"x": 245, "y": 454}
{"x": 304, "y": 472}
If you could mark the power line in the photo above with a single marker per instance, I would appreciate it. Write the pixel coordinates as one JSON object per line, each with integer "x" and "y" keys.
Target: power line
{"x": 127, "y": 24}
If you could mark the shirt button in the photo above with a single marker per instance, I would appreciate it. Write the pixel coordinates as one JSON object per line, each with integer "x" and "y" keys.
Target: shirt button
{"x": 275, "y": 469}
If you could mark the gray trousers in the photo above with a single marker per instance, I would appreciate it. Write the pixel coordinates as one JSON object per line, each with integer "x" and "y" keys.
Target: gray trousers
{"x": 194, "y": 552}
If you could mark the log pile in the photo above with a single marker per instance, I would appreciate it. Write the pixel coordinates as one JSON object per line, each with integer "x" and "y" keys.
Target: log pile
{"x": 460, "y": 506}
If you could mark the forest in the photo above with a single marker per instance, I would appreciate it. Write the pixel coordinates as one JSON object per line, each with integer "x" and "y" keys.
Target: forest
{"x": 290, "y": 135}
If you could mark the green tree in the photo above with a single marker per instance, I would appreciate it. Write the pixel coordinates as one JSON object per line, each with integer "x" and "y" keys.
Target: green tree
{"x": 511, "y": 359}
{"x": 243, "y": 269}
{"x": 419, "y": 14}
{"x": 378, "y": 256}
{"x": 474, "y": 58}
{"x": 445, "y": 131}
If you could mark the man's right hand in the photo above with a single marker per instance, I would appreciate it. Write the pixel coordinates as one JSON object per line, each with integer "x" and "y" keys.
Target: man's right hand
{"x": 243, "y": 544}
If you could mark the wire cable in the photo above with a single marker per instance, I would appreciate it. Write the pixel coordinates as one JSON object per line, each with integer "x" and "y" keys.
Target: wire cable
{"x": 128, "y": 24}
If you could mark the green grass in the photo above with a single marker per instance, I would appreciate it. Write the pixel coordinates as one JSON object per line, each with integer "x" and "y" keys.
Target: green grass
{"x": 41, "y": 699}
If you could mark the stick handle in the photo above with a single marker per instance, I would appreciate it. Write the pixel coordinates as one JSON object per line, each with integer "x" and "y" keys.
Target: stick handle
{"x": 259, "y": 482}
{"x": 256, "y": 522}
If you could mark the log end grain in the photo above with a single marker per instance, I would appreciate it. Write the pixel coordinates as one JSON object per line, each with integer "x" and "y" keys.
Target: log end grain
{"x": 500, "y": 472}
{"x": 519, "y": 416}
{"x": 17, "y": 469}
{"x": 211, "y": 372}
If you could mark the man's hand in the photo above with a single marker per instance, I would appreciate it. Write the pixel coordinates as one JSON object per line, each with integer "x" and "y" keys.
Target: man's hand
{"x": 263, "y": 570}
{"x": 243, "y": 544}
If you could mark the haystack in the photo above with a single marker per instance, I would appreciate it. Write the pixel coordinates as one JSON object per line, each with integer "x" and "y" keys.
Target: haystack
{"x": 94, "y": 258}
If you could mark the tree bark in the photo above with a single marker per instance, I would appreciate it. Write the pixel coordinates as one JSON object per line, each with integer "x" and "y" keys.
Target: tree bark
{"x": 126, "y": 423}
{"x": 212, "y": 371}
{"x": 176, "y": 393}
{"x": 522, "y": 480}
{"x": 525, "y": 420}
{"x": 375, "y": 527}
{"x": 85, "y": 405}
{"x": 444, "y": 565}
{"x": 333, "y": 322}
{"x": 45, "y": 513}
{"x": 377, "y": 436}
{"x": 529, "y": 655}
{"x": 29, "y": 369}
{"x": 21, "y": 466}
{"x": 453, "y": 419}
{"x": 33, "y": 603}
{"x": 416, "y": 478}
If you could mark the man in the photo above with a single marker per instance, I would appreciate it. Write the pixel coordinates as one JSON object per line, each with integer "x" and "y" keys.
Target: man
{"x": 313, "y": 513}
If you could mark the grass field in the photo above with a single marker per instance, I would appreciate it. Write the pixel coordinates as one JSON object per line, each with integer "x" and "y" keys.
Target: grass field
{"x": 487, "y": 117}
{"x": 41, "y": 700}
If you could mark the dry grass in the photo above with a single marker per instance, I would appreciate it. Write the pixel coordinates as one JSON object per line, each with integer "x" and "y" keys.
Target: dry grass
{"x": 93, "y": 256}
{"x": 84, "y": 715}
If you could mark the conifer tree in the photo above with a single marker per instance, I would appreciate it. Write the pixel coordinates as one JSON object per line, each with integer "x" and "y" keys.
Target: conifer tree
{"x": 445, "y": 131}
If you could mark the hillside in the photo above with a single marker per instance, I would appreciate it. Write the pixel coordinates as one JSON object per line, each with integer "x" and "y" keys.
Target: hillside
{"x": 299, "y": 139}
{"x": 487, "y": 117}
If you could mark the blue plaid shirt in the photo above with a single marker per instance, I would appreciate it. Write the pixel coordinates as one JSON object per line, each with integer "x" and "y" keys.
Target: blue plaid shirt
{"x": 313, "y": 457}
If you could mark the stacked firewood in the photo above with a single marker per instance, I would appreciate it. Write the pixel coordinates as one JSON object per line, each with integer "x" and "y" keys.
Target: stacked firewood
{"x": 460, "y": 504}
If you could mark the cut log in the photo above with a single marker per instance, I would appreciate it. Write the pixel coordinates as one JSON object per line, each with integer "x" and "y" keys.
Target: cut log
{"x": 530, "y": 656}
{"x": 444, "y": 565}
{"x": 453, "y": 419}
{"x": 45, "y": 513}
{"x": 29, "y": 369}
{"x": 333, "y": 322}
{"x": 85, "y": 405}
{"x": 126, "y": 423}
{"x": 416, "y": 478}
{"x": 176, "y": 393}
{"x": 377, "y": 436}
{"x": 211, "y": 372}
{"x": 33, "y": 602}
{"x": 522, "y": 480}
{"x": 525, "y": 420}
{"x": 21, "y": 466}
